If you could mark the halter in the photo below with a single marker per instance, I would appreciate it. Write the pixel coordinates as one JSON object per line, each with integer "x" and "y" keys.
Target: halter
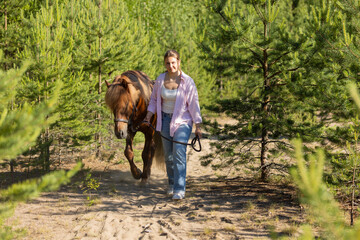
{"x": 120, "y": 120}
{"x": 125, "y": 120}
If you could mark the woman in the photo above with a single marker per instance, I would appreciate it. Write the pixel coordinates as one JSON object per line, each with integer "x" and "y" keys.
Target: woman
{"x": 175, "y": 101}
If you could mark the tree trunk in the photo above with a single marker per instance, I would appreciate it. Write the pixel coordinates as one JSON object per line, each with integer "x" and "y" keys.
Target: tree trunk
{"x": 5, "y": 17}
{"x": 47, "y": 150}
{"x": 5, "y": 28}
{"x": 265, "y": 109}
{"x": 98, "y": 116}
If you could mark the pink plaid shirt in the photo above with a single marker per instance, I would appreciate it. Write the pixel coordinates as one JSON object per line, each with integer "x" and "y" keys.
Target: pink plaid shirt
{"x": 187, "y": 108}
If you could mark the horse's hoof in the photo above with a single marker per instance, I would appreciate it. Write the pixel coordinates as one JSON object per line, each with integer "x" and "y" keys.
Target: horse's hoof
{"x": 144, "y": 182}
{"x": 136, "y": 173}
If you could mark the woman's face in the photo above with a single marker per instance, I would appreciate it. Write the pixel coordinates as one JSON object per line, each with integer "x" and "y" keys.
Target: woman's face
{"x": 172, "y": 64}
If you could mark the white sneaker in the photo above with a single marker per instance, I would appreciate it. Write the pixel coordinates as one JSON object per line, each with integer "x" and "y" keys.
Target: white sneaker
{"x": 178, "y": 196}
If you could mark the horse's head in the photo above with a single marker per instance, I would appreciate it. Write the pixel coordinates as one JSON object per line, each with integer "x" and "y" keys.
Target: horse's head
{"x": 118, "y": 98}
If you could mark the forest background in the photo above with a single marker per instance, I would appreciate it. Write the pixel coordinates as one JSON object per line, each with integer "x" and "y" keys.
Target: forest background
{"x": 280, "y": 68}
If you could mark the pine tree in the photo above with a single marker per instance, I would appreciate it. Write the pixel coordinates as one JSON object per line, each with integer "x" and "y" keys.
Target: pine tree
{"x": 337, "y": 31}
{"x": 175, "y": 29}
{"x": 260, "y": 51}
{"x": 109, "y": 43}
{"x": 318, "y": 201}
{"x": 19, "y": 129}
{"x": 10, "y": 16}
{"x": 51, "y": 61}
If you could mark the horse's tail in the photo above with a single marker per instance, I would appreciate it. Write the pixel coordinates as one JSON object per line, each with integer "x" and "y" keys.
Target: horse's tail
{"x": 159, "y": 157}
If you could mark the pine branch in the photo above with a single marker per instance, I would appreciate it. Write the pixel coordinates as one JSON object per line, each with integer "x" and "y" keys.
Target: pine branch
{"x": 278, "y": 59}
{"x": 258, "y": 11}
{"x": 257, "y": 56}
{"x": 275, "y": 74}
{"x": 251, "y": 65}
{"x": 249, "y": 95}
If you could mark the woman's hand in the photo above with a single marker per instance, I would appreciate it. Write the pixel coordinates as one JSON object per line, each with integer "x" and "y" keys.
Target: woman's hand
{"x": 198, "y": 130}
{"x": 148, "y": 117}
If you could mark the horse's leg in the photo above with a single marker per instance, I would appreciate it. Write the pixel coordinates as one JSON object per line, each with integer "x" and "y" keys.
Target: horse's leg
{"x": 129, "y": 154}
{"x": 148, "y": 154}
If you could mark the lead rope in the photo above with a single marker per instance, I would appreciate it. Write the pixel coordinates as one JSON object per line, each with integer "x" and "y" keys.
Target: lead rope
{"x": 192, "y": 144}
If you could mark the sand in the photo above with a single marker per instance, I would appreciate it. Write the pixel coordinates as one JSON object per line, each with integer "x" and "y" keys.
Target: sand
{"x": 122, "y": 208}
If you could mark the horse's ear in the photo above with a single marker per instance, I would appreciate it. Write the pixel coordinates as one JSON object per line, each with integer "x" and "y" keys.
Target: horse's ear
{"x": 125, "y": 84}
{"x": 119, "y": 80}
{"x": 107, "y": 84}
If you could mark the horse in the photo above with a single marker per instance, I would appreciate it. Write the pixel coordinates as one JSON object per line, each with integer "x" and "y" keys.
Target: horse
{"x": 128, "y": 97}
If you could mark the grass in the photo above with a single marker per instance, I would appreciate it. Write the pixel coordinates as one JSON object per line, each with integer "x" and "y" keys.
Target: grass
{"x": 284, "y": 233}
{"x": 121, "y": 161}
{"x": 92, "y": 201}
{"x": 250, "y": 206}
{"x": 290, "y": 230}
{"x": 245, "y": 216}
{"x": 138, "y": 145}
{"x": 272, "y": 210}
{"x": 15, "y": 233}
{"x": 230, "y": 228}
{"x": 208, "y": 231}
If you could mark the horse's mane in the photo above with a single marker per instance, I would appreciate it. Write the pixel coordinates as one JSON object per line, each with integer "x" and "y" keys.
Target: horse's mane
{"x": 112, "y": 96}
{"x": 137, "y": 82}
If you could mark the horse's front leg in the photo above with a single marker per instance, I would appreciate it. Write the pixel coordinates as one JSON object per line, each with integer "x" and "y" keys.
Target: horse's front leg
{"x": 147, "y": 155}
{"x": 129, "y": 154}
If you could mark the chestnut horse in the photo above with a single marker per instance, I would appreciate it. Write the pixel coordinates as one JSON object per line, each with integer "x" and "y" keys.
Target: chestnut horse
{"x": 128, "y": 97}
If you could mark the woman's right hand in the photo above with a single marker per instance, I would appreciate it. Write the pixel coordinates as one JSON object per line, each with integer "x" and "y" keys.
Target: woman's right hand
{"x": 148, "y": 117}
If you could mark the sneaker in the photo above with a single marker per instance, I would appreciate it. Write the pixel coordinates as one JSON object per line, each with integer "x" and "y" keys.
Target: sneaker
{"x": 178, "y": 196}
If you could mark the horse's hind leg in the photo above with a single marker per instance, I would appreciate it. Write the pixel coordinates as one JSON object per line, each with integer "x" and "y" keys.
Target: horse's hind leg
{"x": 129, "y": 154}
{"x": 147, "y": 155}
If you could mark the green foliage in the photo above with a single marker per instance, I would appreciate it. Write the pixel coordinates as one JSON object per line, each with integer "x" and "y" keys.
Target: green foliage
{"x": 90, "y": 185}
{"x": 175, "y": 29}
{"x": 338, "y": 34}
{"x": 10, "y": 37}
{"x": 280, "y": 72}
{"x": 322, "y": 206}
{"x": 82, "y": 43}
{"x": 259, "y": 54}
{"x": 21, "y": 126}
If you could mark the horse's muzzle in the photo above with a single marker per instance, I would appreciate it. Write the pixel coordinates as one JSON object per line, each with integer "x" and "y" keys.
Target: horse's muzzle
{"x": 120, "y": 130}
{"x": 121, "y": 134}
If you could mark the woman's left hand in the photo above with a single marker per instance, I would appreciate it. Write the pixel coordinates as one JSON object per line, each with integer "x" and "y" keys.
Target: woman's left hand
{"x": 198, "y": 131}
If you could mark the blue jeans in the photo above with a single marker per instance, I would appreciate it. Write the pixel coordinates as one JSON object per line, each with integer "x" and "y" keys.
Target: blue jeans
{"x": 175, "y": 153}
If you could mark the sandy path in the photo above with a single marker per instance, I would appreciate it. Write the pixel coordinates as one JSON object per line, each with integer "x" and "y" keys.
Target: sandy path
{"x": 213, "y": 209}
